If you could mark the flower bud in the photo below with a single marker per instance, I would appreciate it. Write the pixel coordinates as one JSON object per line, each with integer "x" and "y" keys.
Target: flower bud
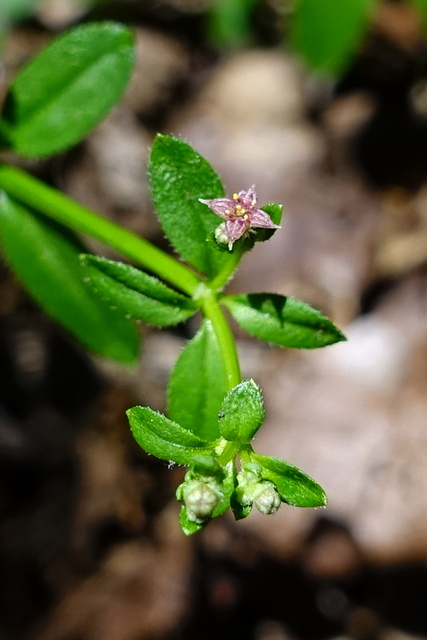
{"x": 200, "y": 499}
{"x": 266, "y": 498}
{"x": 221, "y": 235}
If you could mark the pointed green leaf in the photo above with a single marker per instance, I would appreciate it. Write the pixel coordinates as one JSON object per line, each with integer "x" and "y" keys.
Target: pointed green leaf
{"x": 67, "y": 89}
{"x": 136, "y": 294}
{"x": 188, "y": 526}
{"x": 294, "y": 486}
{"x": 242, "y": 412}
{"x": 327, "y": 34}
{"x": 197, "y": 385}
{"x": 179, "y": 177}
{"x": 163, "y": 438}
{"x": 45, "y": 256}
{"x": 283, "y": 321}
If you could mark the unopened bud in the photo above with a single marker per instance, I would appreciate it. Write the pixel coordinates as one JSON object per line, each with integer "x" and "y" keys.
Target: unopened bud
{"x": 221, "y": 235}
{"x": 266, "y": 498}
{"x": 200, "y": 500}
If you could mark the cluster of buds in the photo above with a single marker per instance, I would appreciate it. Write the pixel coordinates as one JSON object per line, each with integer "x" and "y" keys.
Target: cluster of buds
{"x": 202, "y": 493}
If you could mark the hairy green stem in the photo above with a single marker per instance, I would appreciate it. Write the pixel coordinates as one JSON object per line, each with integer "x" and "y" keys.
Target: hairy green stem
{"x": 55, "y": 205}
{"x": 220, "y": 280}
{"x": 227, "y": 345}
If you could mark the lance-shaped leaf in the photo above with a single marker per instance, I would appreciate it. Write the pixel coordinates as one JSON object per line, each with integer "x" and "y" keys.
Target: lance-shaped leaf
{"x": 45, "y": 256}
{"x": 179, "y": 177}
{"x": 325, "y": 34}
{"x": 283, "y": 321}
{"x": 197, "y": 384}
{"x": 136, "y": 294}
{"x": 294, "y": 486}
{"x": 67, "y": 89}
{"x": 163, "y": 438}
{"x": 242, "y": 412}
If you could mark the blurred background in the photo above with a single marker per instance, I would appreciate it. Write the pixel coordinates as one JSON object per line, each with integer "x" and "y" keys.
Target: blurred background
{"x": 323, "y": 106}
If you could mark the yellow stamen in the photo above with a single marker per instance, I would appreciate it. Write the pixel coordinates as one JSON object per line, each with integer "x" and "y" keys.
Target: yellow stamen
{"x": 235, "y": 196}
{"x": 227, "y": 212}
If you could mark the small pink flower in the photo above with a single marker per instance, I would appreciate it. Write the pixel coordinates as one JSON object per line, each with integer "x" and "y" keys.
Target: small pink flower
{"x": 240, "y": 215}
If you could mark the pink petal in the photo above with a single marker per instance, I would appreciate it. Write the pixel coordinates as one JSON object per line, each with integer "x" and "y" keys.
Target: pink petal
{"x": 258, "y": 218}
{"x": 236, "y": 227}
{"x": 247, "y": 199}
{"x": 223, "y": 207}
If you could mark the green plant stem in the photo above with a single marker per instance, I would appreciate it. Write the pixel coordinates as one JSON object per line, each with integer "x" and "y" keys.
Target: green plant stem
{"x": 55, "y": 205}
{"x": 226, "y": 342}
{"x": 220, "y": 280}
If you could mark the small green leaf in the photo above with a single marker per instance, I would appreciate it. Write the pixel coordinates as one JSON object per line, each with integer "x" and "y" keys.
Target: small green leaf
{"x": 136, "y": 294}
{"x": 207, "y": 465}
{"x": 188, "y": 526}
{"x": 294, "y": 486}
{"x": 327, "y": 34}
{"x": 197, "y": 385}
{"x": 164, "y": 438}
{"x": 179, "y": 177}
{"x": 45, "y": 256}
{"x": 283, "y": 321}
{"x": 67, "y": 89}
{"x": 242, "y": 412}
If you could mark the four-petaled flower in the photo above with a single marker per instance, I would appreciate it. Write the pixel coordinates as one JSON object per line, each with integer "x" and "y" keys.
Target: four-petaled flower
{"x": 240, "y": 215}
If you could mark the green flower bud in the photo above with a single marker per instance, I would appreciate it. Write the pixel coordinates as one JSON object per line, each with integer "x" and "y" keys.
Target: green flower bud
{"x": 200, "y": 499}
{"x": 266, "y": 498}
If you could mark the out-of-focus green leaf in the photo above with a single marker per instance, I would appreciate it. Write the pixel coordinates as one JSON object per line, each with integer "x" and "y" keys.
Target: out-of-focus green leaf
{"x": 197, "y": 385}
{"x": 421, "y": 7}
{"x": 283, "y": 321}
{"x": 326, "y": 33}
{"x": 136, "y": 294}
{"x": 45, "y": 256}
{"x": 229, "y": 22}
{"x": 163, "y": 438}
{"x": 179, "y": 177}
{"x": 294, "y": 486}
{"x": 67, "y": 89}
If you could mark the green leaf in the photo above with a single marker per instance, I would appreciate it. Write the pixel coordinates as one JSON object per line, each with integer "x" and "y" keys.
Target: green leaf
{"x": 294, "y": 486}
{"x": 188, "y": 526}
{"x": 45, "y": 256}
{"x": 242, "y": 412}
{"x": 230, "y": 22}
{"x": 164, "y": 438}
{"x": 179, "y": 177}
{"x": 136, "y": 294}
{"x": 326, "y": 33}
{"x": 421, "y": 8}
{"x": 283, "y": 321}
{"x": 197, "y": 385}
{"x": 13, "y": 10}
{"x": 67, "y": 89}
